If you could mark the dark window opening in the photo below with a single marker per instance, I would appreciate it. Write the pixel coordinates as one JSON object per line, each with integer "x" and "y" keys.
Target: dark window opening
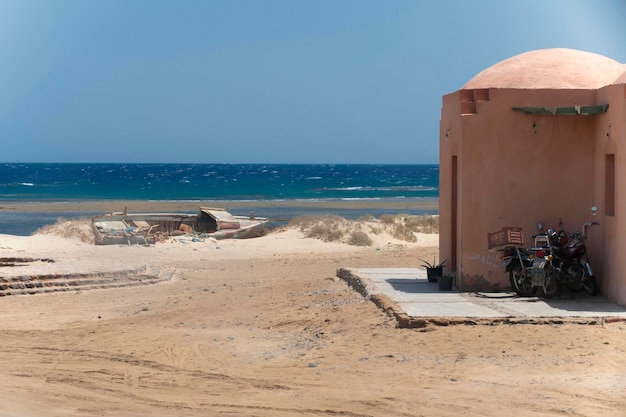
{"x": 453, "y": 210}
{"x": 609, "y": 185}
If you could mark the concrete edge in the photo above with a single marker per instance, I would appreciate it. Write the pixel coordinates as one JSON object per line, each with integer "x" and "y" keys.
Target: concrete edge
{"x": 405, "y": 321}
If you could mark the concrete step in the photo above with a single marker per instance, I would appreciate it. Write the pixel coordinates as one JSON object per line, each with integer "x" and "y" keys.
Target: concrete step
{"x": 44, "y": 284}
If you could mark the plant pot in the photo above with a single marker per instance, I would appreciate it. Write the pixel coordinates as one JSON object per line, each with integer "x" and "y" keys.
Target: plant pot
{"x": 445, "y": 283}
{"x": 434, "y": 273}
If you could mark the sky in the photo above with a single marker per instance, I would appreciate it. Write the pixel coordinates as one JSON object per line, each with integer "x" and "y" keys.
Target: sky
{"x": 262, "y": 81}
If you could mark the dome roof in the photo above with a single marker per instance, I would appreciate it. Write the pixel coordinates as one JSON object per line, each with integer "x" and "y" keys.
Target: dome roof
{"x": 622, "y": 78}
{"x": 558, "y": 68}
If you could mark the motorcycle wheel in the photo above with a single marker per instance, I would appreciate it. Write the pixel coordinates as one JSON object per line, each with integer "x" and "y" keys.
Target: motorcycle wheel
{"x": 590, "y": 285}
{"x": 575, "y": 277}
{"x": 551, "y": 285}
{"x": 520, "y": 284}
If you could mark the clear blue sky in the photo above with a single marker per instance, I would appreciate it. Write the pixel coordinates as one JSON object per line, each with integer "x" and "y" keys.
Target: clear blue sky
{"x": 261, "y": 81}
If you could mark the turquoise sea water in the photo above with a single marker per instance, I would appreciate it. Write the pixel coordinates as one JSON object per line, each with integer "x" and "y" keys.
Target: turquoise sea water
{"x": 61, "y": 182}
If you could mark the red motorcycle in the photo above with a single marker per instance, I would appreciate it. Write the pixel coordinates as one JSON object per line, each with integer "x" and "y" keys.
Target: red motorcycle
{"x": 570, "y": 258}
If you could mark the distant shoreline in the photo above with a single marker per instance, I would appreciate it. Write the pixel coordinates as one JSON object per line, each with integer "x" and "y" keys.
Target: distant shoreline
{"x": 107, "y": 206}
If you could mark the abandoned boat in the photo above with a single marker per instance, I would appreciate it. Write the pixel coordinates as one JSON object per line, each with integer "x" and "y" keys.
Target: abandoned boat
{"x": 149, "y": 228}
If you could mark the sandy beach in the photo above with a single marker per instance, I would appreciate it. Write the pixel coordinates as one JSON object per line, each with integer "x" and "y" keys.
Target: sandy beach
{"x": 108, "y": 206}
{"x": 263, "y": 327}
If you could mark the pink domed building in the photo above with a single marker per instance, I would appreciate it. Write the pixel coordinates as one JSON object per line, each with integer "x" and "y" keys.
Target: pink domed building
{"x": 537, "y": 137}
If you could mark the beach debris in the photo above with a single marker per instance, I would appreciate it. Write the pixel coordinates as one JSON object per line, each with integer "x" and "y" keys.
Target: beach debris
{"x": 22, "y": 261}
{"x": 149, "y": 228}
{"x": 185, "y": 228}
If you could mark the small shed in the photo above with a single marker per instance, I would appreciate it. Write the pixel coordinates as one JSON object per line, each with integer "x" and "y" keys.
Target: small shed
{"x": 540, "y": 136}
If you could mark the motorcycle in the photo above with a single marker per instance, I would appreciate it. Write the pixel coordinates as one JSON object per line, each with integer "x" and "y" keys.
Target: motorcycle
{"x": 532, "y": 269}
{"x": 571, "y": 261}
{"x": 517, "y": 260}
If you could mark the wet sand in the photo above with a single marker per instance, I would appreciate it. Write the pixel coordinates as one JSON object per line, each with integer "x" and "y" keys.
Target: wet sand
{"x": 107, "y": 206}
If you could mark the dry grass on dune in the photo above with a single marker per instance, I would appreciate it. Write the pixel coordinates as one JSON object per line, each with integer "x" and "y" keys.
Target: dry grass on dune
{"x": 328, "y": 228}
{"x": 79, "y": 229}
{"x": 333, "y": 228}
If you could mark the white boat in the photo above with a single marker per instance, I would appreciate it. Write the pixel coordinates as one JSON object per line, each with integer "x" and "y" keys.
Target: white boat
{"x": 149, "y": 228}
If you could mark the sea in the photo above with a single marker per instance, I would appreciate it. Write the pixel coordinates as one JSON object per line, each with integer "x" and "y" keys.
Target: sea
{"x": 75, "y": 182}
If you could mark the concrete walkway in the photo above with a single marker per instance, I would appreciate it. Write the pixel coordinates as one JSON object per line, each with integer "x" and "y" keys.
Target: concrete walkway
{"x": 410, "y": 290}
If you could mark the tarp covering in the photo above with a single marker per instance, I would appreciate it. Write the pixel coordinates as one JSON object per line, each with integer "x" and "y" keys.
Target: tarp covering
{"x": 565, "y": 111}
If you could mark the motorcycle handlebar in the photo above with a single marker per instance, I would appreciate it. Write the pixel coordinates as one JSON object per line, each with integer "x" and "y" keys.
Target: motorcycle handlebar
{"x": 588, "y": 225}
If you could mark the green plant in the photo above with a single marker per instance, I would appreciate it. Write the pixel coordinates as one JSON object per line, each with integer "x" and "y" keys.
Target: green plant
{"x": 434, "y": 265}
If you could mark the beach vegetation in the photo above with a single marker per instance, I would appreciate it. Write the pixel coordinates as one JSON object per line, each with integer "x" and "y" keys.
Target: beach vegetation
{"x": 79, "y": 229}
{"x": 424, "y": 223}
{"x": 367, "y": 218}
{"x": 328, "y": 227}
{"x": 388, "y": 219}
{"x": 360, "y": 238}
{"x": 405, "y": 226}
{"x": 375, "y": 228}
{"x": 401, "y": 232}
{"x": 324, "y": 232}
{"x": 333, "y": 228}
{"x": 307, "y": 221}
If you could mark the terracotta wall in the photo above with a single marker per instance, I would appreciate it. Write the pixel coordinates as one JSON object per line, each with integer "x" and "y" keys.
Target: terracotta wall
{"x": 513, "y": 169}
{"x": 608, "y": 248}
{"x": 450, "y": 134}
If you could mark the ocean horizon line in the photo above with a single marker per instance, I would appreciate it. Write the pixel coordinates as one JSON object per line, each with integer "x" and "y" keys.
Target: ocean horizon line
{"x": 228, "y": 163}
{"x": 217, "y": 200}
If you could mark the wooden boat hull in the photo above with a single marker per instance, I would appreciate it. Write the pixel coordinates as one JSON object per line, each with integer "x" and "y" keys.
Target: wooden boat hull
{"x": 149, "y": 228}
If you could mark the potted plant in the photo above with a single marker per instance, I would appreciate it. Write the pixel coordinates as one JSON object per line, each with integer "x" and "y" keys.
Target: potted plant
{"x": 433, "y": 270}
